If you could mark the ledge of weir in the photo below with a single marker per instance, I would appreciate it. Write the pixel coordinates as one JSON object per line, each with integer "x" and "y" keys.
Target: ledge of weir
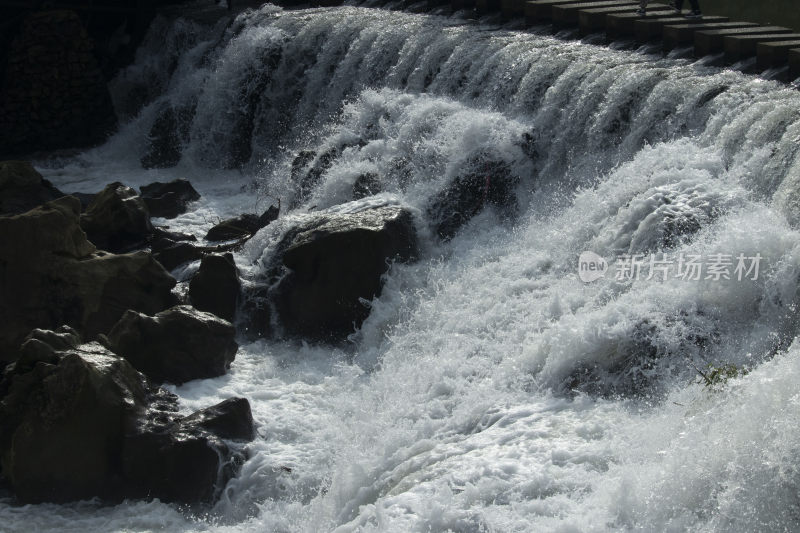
{"x": 758, "y": 48}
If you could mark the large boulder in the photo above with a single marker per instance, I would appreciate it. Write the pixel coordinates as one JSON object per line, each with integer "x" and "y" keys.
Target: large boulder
{"x": 117, "y": 219}
{"x": 77, "y": 422}
{"x": 216, "y": 287}
{"x": 335, "y": 262}
{"x": 63, "y": 418}
{"x": 168, "y": 200}
{"x": 242, "y": 226}
{"x": 482, "y": 183}
{"x": 176, "y": 345}
{"x": 22, "y": 188}
{"x": 51, "y": 275}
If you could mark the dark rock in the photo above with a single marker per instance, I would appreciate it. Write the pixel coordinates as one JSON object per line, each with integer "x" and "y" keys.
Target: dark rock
{"x": 335, "y": 262}
{"x": 117, "y": 219}
{"x": 86, "y": 198}
{"x": 159, "y": 232}
{"x": 172, "y": 254}
{"x": 77, "y": 421}
{"x": 168, "y": 200}
{"x": 367, "y": 184}
{"x": 242, "y": 226}
{"x": 176, "y": 345}
{"x": 51, "y": 275}
{"x": 484, "y": 182}
{"x": 63, "y": 421}
{"x": 216, "y": 287}
{"x": 22, "y": 188}
{"x": 231, "y": 419}
{"x": 256, "y": 319}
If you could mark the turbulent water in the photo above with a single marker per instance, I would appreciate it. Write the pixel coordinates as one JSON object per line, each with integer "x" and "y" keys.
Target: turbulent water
{"x": 490, "y": 389}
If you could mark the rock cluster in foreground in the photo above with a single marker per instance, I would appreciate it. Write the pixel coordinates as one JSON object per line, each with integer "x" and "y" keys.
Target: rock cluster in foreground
{"x": 78, "y": 421}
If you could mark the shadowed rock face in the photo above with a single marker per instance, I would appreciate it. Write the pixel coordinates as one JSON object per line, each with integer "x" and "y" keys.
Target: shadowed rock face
{"x": 51, "y": 275}
{"x": 170, "y": 199}
{"x": 335, "y": 262}
{"x": 176, "y": 345}
{"x": 22, "y": 188}
{"x": 117, "y": 219}
{"x": 77, "y": 422}
{"x": 216, "y": 287}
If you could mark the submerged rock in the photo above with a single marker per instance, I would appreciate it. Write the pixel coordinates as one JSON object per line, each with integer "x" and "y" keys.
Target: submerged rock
{"x": 52, "y": 276}
{"x": 168, "y": 200}
{"x": 176, "y": 345}
{"x": 335, "y": 262}
{"x": 117, "y": 219}
{"x": 215, "y": 287}
{"x": 483, "y": 183}
{"x": 77, "y": 422}
{"x": 22, "y": 188}
{"x": 242, "y": 226}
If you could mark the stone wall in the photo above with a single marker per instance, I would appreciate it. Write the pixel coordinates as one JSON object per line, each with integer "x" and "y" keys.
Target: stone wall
{"x": 53, "y": 94}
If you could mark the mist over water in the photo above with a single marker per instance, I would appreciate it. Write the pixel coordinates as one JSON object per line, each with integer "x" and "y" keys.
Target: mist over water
{"x": 490, "y": 389}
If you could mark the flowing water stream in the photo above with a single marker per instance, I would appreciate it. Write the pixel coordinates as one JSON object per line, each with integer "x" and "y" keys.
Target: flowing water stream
{"x": 490, "y": 389}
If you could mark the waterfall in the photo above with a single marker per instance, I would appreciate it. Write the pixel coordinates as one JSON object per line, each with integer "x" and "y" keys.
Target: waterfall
{"x": 490, "y": 389}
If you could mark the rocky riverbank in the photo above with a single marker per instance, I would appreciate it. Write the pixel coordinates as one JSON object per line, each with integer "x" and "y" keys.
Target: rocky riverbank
{"x": 92, "y": 322}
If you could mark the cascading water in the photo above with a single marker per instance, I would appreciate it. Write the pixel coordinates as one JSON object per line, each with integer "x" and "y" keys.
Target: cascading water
{"x": 490, "y": 389}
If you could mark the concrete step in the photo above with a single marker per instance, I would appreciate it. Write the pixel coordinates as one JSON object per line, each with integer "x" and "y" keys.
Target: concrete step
{"x": 594, "y": 20}
{"x": 677, "y": 35}
{"x": 540, "y": 11}
{"x": 707, "y": 42}
{"x": 567, "y": 14}
{"x": 738, "y": 47}
{"x": 649, "y": 29}
{"x": 769, "y": 55}
{"x": 621, "y": 25}
{"x": 794, "y": 63}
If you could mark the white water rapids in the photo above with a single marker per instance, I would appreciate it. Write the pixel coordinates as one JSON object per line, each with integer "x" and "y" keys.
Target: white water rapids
{"x": 490, "y": 389}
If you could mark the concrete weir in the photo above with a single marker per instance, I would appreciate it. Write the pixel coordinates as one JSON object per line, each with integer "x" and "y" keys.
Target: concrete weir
{"x": 775, "y": 46}
{"x": 708, "y": 42}
{"x": 675, "y": 35}
{"x": 739, "y": 47}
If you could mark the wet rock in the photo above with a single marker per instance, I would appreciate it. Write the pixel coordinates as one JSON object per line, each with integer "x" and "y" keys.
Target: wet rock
{"x": 173, "y": 254}
{"x": 63, "y": 420}
{"x": 231, "y": 419}
{"x": 52, "y": 275}
{"x": 117, "y": 219}
{"x": 242, "y": 226}
{"x": 77, "y": 422}
{"x": 308, "y": 169}
{"x": 483, "y": 183}
{"x": 176, "y": 345}
{"x": 215, "y": 287}
{"x": 367, "y": 184}
{"x": 256, "y": 315}
{"x": 22, "y": 188}
{"x": 335, "y": 262}
{"x": 168, "y": 200}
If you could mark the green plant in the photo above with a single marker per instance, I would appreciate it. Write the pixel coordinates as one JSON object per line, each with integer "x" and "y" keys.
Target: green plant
{"x": 717, "y": 376}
